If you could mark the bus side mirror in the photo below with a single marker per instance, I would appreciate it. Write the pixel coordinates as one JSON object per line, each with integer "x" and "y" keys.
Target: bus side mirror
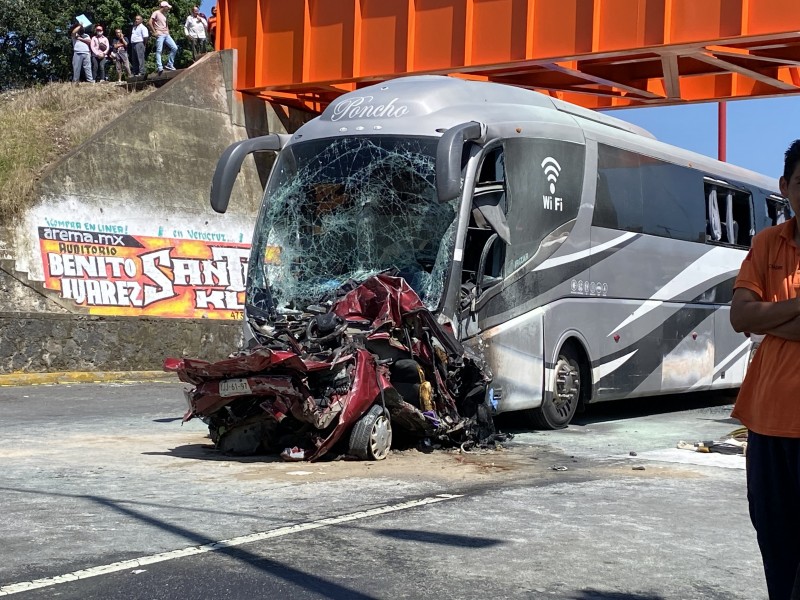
{"x": 448, "y": 158}
{"x": 231, "y": 161}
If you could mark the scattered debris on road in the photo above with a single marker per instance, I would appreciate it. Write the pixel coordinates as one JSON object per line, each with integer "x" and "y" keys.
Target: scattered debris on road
{"x": 372, "y": 362}
{"x": 733, "y": 443}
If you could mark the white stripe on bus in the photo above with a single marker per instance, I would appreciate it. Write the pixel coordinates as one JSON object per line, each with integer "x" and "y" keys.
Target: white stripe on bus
{"x": 601, "y": 371}
{"x": 706, "y": 267}
{"x": 568, "y": 258}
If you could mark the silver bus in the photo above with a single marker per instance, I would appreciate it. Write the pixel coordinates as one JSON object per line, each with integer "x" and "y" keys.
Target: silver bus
{"x": 582, "y": 258}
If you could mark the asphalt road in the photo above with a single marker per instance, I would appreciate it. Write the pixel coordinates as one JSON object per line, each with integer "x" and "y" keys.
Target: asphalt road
{"x": 106, "y": 495}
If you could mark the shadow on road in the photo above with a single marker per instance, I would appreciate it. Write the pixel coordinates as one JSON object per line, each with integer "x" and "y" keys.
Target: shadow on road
{"x": 443, "y": 539}
{"x": 208, "y": 452}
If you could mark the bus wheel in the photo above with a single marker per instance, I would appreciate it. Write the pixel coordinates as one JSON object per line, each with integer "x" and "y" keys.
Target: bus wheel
{"x": 557, "y": 411}
{"x": 371, "y": 438}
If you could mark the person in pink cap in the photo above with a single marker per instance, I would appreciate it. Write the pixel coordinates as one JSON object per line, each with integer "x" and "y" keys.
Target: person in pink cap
{"x": 158, "y": 25}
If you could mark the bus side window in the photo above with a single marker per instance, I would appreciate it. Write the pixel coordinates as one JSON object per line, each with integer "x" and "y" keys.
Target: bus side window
{"x": 778, "y": 210}
{"x": 605, "y": 214}
{"x": 729, "y": 215}
{"x": 619, "y": 198}
{"x": 490, "y": 195}
{"x": 739, "y": 210}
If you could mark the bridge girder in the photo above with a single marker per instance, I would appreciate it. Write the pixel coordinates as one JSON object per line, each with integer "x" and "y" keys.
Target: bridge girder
{"x": 601, "y": 54}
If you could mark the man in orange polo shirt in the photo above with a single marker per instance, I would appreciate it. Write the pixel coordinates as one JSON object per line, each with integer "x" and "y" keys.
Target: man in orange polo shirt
{"x": 766, "y": 301}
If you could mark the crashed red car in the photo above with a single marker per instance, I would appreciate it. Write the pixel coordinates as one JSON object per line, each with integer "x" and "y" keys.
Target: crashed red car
{"x": 372, "y": 367}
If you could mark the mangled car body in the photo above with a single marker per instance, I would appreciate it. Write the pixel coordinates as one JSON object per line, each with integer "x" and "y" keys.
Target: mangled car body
{"x": 375, "y": 363}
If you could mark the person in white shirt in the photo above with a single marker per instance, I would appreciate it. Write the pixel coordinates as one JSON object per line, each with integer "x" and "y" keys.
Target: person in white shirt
{"x": 196, "y": 29}
{"x": 139, "y": 35}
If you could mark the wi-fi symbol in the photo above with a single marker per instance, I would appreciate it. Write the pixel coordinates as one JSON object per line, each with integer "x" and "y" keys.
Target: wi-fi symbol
{"x": 551, "y": 171}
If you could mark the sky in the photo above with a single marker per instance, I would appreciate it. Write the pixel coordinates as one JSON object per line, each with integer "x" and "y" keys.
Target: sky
{"x": 205, "y": 6}
{"x": 759, "y": 131}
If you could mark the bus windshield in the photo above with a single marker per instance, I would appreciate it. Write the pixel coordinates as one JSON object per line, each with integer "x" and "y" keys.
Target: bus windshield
{"x": 340, "y": 209}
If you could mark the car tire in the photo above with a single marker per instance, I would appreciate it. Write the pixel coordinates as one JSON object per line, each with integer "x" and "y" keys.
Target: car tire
{"x": 371, "y": 437}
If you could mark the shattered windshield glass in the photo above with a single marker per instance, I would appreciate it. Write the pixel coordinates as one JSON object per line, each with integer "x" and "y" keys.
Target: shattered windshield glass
{"x": 347, "y": 208}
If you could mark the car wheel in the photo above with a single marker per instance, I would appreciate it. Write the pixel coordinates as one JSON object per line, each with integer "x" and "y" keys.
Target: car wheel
{"x": 558, "y": 409}
{"x": 371, "y": 437}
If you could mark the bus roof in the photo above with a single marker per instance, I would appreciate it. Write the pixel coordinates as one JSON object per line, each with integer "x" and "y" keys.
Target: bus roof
{"x": 428, "y": 105}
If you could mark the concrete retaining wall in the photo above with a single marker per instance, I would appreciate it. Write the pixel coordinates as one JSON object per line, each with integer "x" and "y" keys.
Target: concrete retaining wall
{"x": 121, "y": 261}
{"x": 47, "y": 342}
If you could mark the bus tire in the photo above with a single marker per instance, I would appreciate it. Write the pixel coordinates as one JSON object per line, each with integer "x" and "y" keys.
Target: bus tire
{"x": 557, "y": 409}
{"x": 371, "y": 438}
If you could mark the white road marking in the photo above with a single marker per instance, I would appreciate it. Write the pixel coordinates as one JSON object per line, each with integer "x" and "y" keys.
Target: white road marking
{"x": 124, "y": 565}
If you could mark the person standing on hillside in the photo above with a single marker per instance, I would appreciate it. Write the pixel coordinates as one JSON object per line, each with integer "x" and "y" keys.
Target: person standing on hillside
{"x": 212, "y": 28}
{"x": 120, "y": 54}
{"x": 81, "y": 53}
{"x": 195, "y": 29}
{"x": 100, "y": 51}
{"x": 139, "y": 35}
{"x": 766, "y": 300}
{"x": 158, "y": 25}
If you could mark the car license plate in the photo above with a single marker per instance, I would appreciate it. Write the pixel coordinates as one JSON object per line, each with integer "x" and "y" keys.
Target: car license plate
{"x": 234, "y": 387}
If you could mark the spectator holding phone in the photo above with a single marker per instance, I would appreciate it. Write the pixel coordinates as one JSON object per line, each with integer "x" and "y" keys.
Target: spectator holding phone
{"x": 195, "y": 29}
{"x": 120, "y": 54}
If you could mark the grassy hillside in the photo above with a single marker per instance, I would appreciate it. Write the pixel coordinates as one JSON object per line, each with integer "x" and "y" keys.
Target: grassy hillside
{"x": 38, "y": 125}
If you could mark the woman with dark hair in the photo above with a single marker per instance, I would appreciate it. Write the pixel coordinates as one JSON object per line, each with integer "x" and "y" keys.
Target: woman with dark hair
{"x": 120, "y": 54}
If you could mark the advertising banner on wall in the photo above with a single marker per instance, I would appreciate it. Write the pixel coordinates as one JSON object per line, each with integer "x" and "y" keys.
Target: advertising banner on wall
{"x": 114, "y": 273}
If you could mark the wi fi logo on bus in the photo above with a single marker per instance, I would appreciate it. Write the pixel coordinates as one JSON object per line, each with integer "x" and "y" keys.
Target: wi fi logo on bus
{"x": 551, "y": 171}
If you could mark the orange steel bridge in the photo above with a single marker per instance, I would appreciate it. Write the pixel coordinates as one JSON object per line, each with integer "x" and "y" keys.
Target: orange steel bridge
{"x": 601, "y": 54}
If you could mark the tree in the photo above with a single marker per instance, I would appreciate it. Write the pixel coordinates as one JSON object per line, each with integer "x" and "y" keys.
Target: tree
{"x": 34, "y": 34}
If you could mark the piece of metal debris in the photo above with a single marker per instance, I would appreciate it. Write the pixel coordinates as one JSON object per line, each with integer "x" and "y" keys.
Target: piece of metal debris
{"x": 559, "y": 468}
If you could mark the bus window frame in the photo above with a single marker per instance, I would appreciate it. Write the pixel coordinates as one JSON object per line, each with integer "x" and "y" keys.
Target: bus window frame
{"x": 723, "y": 185}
